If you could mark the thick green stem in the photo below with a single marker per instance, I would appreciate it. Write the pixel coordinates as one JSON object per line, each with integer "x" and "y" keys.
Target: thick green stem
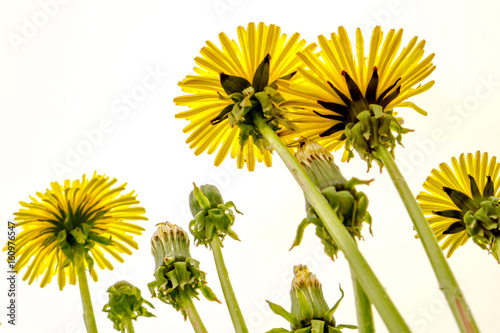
{"x": 363, "y": 307}
{"x": 88, "y": 311}
{"x": 447, "y": 282}
{"x": 128, "y": 325}
{"x": 193, "y": 315}
{"x": 338, "y": 232}
{"x": 227, "y": 289}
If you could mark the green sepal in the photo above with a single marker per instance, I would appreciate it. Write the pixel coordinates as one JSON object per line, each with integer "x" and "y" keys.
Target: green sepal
{"x": 261, "y": 76}
{"x": 460, "y": 199}
{"x": 99, "y": 239}
{"x": 489, "y": 188}
{"x": 455, "y": 228}
{"x": 372, "y": 128}
{"x": 209, "y": 294}
{"x": 280, "y": 311}
{"x": 329, "y": 315}
{"x": 278, "y": 330}
{"x": 306, "y": 312}
{"x": 300, "y": 233}
{"x": 61, "y": 236}
{"x": 476, "y": 195}
{"x": 233, "y": 84}
{"x": 317, "y": 326}
{"x": 90, "y": 261}
{"x": 222, "y": 115}
{"x": 287, "y": 77}
{"x": 79, "y": 235}
{"x": 352, "y": 327}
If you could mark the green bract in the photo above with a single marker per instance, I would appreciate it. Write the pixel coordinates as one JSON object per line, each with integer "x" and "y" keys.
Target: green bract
{"x": 310, "y": 312}
{"x": 177, "y": 275}
{"x": 349, "y": 205}
{"x": 374, "y": 127}
{"x": 212, "y": 217}
{"x": 258, "y": 96}
{"x": 125, "y": 304}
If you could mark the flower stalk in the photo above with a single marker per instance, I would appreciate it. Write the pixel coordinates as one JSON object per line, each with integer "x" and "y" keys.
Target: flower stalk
{"x": 212, "y": 222}
{"x": 88, "y": 310}
{"x": 227, "y": 289}
{"x": 192, "y": 313}
{"x": 447, "y": 282}
{"x": 128, "y": 325}
{"x": 366, "y": 276}
{"x": 363, "y": 307}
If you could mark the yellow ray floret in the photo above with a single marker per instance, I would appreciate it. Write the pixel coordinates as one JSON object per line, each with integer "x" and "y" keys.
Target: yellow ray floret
{"x": 339, "y": 82}
{"x": 439, "y": 201}
{"x": 205, "y": 98}
{"x": 79, "y": 218}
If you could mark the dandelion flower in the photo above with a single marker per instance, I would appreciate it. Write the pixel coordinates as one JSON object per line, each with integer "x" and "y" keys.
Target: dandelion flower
{"x": 339, "y": 84}
{"x": 462, "y": 202}
{"x": 225, "y": 91}
{"x": 82, "y": 220}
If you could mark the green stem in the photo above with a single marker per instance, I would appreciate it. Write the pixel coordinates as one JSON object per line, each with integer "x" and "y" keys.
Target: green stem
{"x": 88, "y": 311}
{"x": 227, "y": 289}
{"x": 447, "y": 282}
{"x": 363, "y": 307}
{"x": 192, "y": 314}
{"x": 338, "y": 232}
{"x": 128, "y": 324}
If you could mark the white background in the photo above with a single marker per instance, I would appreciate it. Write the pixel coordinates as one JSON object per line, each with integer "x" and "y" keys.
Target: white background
{"x": 69, "y": 75}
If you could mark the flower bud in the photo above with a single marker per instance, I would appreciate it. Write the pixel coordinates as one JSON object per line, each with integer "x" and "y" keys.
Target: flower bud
{"x": 319, "y": 165}
{"x": 212, "y": 217}
{"x": 349, "y": 205}
{"x": 177, "y": 274}
{"x": 169, "y": 241}
{"x": 310, "y": 312}
{"x": 125, "y": 304}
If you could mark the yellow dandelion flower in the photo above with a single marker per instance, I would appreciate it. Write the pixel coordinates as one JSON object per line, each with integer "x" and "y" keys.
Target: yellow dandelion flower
{"x": 462, "y": 202}
{"x": 225, "y": 91}
{"x": 79, "y": 219}
{"x": 339, "y": 84}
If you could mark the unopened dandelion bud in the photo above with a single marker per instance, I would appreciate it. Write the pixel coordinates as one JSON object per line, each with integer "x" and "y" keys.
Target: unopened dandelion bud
{"x": 319, "y": 165}
{"x": 310, "y": 311}
{"x": 125, "y": 304}
{"x": 177, "y": 274}
{"x": 349, "y": 205}
{"x": 212, "y": 217}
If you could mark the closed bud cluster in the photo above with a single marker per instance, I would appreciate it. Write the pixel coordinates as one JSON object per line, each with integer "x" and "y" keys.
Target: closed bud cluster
{"x": 349, "y": 205}
{"x": 177, "y": 274}
{"x": 212, "y": 217}
{"x": 310, "y": 312}
{"x": 125, "y": 304}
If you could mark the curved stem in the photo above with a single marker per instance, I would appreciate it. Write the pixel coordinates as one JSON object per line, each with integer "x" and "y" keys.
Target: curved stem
{"x": 227, "y": 289}
{"x": 193, "y": 315}
{"x": 363, "y": 307}
{"x": 88, "y": 311}
{"x": 128, "y": 325}
{"x": 338, "y": 232}
{"x": 447, "y": 282}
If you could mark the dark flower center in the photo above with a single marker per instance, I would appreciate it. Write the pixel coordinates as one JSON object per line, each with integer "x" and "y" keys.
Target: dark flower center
{"x": 347, "y": 114}
{"x": 465, "y": 203}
